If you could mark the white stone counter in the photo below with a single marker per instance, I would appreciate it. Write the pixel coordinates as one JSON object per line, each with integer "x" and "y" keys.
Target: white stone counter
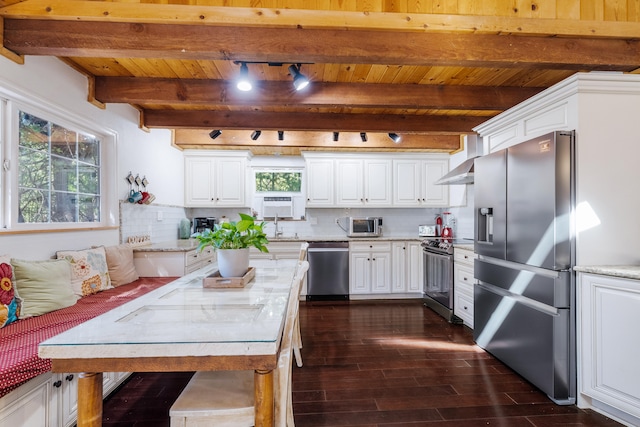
{"x": 624, "y": 271}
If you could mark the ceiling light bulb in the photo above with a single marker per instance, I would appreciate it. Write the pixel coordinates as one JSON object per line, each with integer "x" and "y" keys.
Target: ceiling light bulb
{"x": 255, "y": 134}
{"x": 215, "y": 133}
{"x": 300, "y": 81}
{"x": 363, "y": 136}
{"x": 244, "y": 84}
{"x": 395, "y": 137}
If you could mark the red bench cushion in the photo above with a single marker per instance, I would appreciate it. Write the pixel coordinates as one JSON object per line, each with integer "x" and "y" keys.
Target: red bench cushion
{"x": 19, "y": 361}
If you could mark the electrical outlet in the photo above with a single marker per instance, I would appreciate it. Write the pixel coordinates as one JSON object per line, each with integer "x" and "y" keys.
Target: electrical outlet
{"x": 160, "y": 216}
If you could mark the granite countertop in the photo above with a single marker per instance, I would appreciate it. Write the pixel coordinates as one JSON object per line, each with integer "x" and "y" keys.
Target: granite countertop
{"x": 183, "y": 245}
{"x": 623, "y": 271}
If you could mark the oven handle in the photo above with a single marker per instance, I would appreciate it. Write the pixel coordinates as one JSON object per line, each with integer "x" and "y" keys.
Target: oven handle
{"x": 434, "y": 254}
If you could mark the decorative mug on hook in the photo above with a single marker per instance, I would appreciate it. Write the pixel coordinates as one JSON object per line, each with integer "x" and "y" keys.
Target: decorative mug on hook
{"x": 134, "y": 196}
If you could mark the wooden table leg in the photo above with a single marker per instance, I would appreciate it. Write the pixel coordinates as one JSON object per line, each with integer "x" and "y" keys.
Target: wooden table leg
{"x": 263, "y": 394}
{"x": 90, "y": 399}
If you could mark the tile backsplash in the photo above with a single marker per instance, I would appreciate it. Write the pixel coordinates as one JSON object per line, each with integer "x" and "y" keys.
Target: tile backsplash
{"x": 160, "y": 222}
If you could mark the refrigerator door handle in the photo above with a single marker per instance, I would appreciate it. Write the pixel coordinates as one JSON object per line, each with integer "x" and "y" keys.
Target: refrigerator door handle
{"x": 519, "y": 299}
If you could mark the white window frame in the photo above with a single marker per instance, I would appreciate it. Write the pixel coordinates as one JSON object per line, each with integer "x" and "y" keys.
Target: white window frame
{"x": 11, "y": 103}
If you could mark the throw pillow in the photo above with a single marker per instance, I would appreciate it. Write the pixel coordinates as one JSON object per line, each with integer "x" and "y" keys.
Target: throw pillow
{"x": 89, "y": 272}
{"x": 43, "y": 286}
{"x": 9, "y": 301}
{"x": 120, "y": 264}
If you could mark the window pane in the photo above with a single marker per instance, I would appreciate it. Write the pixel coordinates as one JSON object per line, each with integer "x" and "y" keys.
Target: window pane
{"x": 58, "y": 173}
{"x": 33, "y": 169}
{"x": 33, "y": 206}
{"x": 279, "y": 181}
{"x": 34, "y": 132}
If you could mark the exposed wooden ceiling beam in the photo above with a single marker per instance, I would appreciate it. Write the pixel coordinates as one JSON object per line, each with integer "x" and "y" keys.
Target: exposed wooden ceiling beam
{"x": 199, "y": 138}
{"x": 309, "y": 121}
{"x": 115, "y": 39}
{"x": 192, "y": 14}
{"x": 224, "y": 93}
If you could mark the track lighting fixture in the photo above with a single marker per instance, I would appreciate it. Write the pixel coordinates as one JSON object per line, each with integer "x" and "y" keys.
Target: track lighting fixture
{"x": 255, "y": 134}
{"x": 244, "y": 83}
{"x": 363, "y": 136}
{"x": 215, "y": 133}
{"x": 395, "y": 137}
{"x": 280, "y": 135}
{"x": 300, "y": 81}
{"x": 336, "y": 135}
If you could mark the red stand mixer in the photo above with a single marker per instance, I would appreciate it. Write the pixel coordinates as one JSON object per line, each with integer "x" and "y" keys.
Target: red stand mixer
{"x": 447, "y": 230}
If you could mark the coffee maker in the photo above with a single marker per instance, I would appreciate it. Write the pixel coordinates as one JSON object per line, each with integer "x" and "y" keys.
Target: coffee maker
{"x": 202, "y": 223}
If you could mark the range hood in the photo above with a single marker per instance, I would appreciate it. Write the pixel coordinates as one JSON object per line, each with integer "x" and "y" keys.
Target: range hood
{"x": 463, "y": 173}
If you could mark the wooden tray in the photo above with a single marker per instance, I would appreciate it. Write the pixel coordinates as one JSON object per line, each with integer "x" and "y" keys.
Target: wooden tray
{"x": 216, "y": 281}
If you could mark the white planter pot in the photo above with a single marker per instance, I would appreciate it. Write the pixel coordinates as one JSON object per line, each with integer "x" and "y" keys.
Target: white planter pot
{"x": 233, "y": 262}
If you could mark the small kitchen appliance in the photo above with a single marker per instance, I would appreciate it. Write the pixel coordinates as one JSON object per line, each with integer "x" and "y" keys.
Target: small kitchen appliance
{"x": 370, "y": 226}
{"x": 427, "y": 230}
{"x": 202, "y": 223}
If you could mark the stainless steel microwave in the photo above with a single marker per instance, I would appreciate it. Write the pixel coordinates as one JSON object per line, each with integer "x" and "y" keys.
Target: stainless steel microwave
{"x": 370, "y": 226}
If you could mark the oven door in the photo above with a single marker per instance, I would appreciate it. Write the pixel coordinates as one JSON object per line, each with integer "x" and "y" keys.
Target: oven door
{"x": 438, "y": 277}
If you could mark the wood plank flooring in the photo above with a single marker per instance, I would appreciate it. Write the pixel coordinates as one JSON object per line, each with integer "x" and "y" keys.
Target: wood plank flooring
{"x": 379, "y": 364}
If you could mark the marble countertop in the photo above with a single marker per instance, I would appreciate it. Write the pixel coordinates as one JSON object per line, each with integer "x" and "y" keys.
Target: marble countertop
{"x": 169, "y": 246}
{"x": 623, "y": 271}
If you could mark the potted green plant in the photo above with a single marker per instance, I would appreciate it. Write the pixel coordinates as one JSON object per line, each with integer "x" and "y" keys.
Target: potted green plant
{"x": 232, "y": 241}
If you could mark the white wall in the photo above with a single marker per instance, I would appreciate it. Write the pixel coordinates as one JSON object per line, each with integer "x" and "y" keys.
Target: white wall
{"x": 151, "y": 154}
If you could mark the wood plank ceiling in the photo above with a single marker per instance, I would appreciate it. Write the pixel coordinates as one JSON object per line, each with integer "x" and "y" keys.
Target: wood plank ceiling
{"x": 428, "y": 70}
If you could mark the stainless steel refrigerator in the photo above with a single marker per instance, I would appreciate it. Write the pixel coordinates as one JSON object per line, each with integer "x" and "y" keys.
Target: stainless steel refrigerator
{"x": 524, "y": 303}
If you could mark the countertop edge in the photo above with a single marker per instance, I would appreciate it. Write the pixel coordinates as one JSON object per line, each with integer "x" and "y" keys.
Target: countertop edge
{"x": 621, "y": 271}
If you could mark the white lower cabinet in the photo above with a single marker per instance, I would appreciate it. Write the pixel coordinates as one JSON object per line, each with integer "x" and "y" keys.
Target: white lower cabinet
{"x": 463, "y": 285}
{"x": 171, "y": 263}
{"x": 369, "y": 268}
{"x": 49, "y": 400}
{"x": 608, "y": 346}
{"x": 407, "y": 268}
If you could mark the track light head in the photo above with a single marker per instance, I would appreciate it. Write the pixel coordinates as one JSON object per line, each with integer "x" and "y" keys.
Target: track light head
{"x": 244, "y": 83}
{"x": 363, "y": 136}
{"x": 300, "y": 81}
{"x": 336, "y": 135}
{"x": 255, "y": 134}
{"x": 215, "y": 133}
{"x": 395, "y": 137}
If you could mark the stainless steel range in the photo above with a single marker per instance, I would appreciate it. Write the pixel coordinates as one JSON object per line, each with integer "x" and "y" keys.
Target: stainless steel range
{"x": 438, "y": 277}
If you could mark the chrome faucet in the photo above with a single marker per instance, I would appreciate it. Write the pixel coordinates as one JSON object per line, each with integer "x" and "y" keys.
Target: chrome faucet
{"x": 276, "y": 233}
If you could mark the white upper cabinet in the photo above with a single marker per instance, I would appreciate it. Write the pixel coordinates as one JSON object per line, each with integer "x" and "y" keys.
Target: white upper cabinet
{"x": 215, "y": 179}
{"x": 374, "y": 180}
{"x": 320, "y": 178}
{"x": 414, "y": 182}
{"x": 363, "y": 182}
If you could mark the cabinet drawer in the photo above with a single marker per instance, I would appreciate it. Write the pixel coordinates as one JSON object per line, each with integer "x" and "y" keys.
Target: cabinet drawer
{"x": 464, "y": 256}
{"x": 463, "y": 307}
{"x": 370, "y": 246}
{"x": 191, "y": 257}
{"x": 463, "y": 274}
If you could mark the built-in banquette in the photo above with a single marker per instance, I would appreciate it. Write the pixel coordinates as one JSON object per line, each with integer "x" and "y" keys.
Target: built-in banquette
{"x": 40, "y": 299}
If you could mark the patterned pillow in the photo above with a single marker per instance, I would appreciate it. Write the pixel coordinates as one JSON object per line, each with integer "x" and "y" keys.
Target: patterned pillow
{"x": 9, "y": 301}
{"x": 89, "y": 271}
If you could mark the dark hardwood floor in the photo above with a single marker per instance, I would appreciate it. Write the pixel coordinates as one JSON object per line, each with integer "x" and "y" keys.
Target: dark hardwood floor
{"x": 379, "y": 364}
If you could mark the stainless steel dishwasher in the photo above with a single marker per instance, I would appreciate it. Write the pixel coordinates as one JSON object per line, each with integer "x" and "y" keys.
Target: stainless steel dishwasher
{"x": 328, "y": 276}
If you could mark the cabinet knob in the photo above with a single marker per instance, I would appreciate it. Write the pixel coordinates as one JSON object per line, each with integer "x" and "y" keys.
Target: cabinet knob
{"x": 465, "y": 307}
{"x": 464, "y": 278}
{"x": 69, "y": 377}
{"x": 368, "y": 259}
{"x": 57, "y": 384}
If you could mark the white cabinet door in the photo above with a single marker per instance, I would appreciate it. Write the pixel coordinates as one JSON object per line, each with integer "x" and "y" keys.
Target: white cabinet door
{"x": 349, "y": 182}
{"x": 360, "y": 273}
{"x": 34, "y": 403}
{"x": 407, "y": 188}
{"x": 399, "y": 267}
{"x": 432, "y": 194}
{"x": 199, "y": 181}
{"x": 320, "y": 182}
{"x": 415, "y": 267}
{"x": 230, "y": 182}
{"x": 69, "y": 400}
{"x": 380, "y": 272}
{"x": 377, "y": 182}
{"x": 212, "y": 181}
{"x": 607, "y": 308}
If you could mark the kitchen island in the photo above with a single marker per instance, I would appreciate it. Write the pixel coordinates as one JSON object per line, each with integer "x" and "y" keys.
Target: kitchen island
{"x": 181, "y": 327}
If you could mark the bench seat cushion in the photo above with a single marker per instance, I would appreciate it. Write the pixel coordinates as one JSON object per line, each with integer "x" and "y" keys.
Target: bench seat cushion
{"x": 19, "y": 361}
